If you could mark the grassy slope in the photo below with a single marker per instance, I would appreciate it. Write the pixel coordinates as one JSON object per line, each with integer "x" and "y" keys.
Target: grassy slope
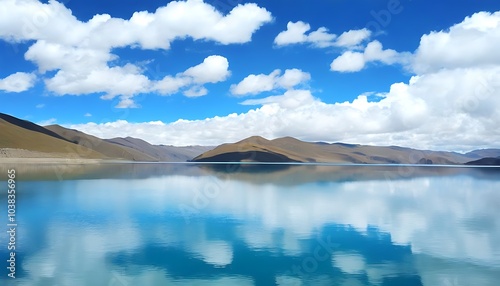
{"x": 341, "y": 153}
{"x": 36, "y": 138}
{"x": 108, "y": 149}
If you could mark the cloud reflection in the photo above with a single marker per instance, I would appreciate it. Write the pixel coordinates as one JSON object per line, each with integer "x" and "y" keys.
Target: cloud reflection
{"x": 103, "y": 225}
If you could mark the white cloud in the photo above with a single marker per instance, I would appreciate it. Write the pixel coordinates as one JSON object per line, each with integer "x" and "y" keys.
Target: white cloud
{"x": 17, "y": 82}
{"x": 296, "y": 33}
{"x": 126, "y": 102}
{"x": 449, "y": 110}
{"x": 213, "y": 69}
{"x": 47, "y": 122}
{"x": 348, "y": 62}
{"x": 169, "y": 85}
{"x": 53, "y": 22}
{"x": 254, "y": 84}
{"x": 448, "y": 106}
{"x": 375, "y": 52}
{"x": 80, "y": 52}
{"x": 292, "y": 78}
{"x": 451, "y": 106}
{"x": 291, "y": 99}
{"x": 353, "y": 37}
{"x": 351, "y": 61}
{"x": 41, "y": 105}
{"x": 196, "y": 91}
{"x": 88, "y": 114}
{"x": 473, "y": 42}
{"x": 321, "y": 38}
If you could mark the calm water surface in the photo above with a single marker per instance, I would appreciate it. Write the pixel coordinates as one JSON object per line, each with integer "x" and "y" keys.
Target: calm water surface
{"x": 177, "y": 224}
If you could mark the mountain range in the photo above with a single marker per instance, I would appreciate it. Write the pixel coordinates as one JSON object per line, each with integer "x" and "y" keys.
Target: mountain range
{"x": 24, "y": 139}
{"x": 289, "y": 149}
{"x": 21, "y": 138}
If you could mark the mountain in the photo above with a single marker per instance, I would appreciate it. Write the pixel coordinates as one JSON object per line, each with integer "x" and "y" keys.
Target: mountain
{"x": 108, "y": 149}
{"x": 24, "y": 139}
{"x": 288, "y": 149}
{"x": 21, "y": 134}
{"x": 488, "y": 161}
{"x": 254, "y": 148}
{"x": 483, "y": 153}
{"x": 161, "y": 152}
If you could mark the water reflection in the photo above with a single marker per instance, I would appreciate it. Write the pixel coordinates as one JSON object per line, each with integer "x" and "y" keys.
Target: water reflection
{"x": 191, "y": 225}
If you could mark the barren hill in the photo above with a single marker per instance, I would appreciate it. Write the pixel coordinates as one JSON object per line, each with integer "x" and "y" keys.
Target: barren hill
{"x": 24, "y": 135}
{"x": 288, "y": 149}
{"x": 161, "y": 152}
{"x": 110, "y": 150}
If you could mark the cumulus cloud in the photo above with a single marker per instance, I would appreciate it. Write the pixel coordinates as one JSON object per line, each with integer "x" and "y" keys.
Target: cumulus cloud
{"x": 213, "y": 69}
{"x": 351, "y": 61}
{"x": 450, "y": 106}
{"x": 33, "y": 20}
{"x": 126, "y": 102}
{"x": 254, "y": 84}
{"x": 448, "y": 110}
{"x": 80, "y": 52}
{"x": 353, "y": 37}
{"x": 291, "y": 99}
{"x": 17, "y": 82}
{"x": 348, "y": 62}
{"x": 473, "y": 42}
{"x": 296, "y": 33}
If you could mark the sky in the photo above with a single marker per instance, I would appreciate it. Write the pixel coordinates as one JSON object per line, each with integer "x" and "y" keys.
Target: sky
{"x": 422, "y": 74}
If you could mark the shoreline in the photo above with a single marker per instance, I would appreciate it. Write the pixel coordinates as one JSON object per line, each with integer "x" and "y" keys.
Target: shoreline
{"x": 84, "y": 161}
{"x": 67, "y": 161}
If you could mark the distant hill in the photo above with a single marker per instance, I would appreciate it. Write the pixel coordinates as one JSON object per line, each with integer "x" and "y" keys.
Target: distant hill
{"x": 108, "y": 149}
{"x": 161, "y": 152}
{"x": 288, "y": 149}
{"x": 483, "y": 153}
{"x": 485, "y": 162}
{"x": 24, "y": 139}
{"x": 21, "y": 134}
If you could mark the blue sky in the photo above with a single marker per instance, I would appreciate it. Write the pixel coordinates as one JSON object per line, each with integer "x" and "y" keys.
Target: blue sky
{"x": 359, "y": 71}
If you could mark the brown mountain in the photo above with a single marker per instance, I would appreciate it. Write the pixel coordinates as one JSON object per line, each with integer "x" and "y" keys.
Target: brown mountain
{"x": 21, "y": 138}
{"x": 161, "y": 152}
{"x": 108, "y": 149}
{"x": 483, "y": 153}
{"x": 488, "y": 161}
{"x": 21, "y": 134}
{"x": 288, "y": 149}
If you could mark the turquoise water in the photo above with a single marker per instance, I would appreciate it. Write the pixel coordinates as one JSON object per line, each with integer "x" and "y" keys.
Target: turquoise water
{"x": 186, "y": 224}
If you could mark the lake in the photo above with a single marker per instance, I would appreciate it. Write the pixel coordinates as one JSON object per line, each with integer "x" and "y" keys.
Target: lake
{"x": 192, "y": 224}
